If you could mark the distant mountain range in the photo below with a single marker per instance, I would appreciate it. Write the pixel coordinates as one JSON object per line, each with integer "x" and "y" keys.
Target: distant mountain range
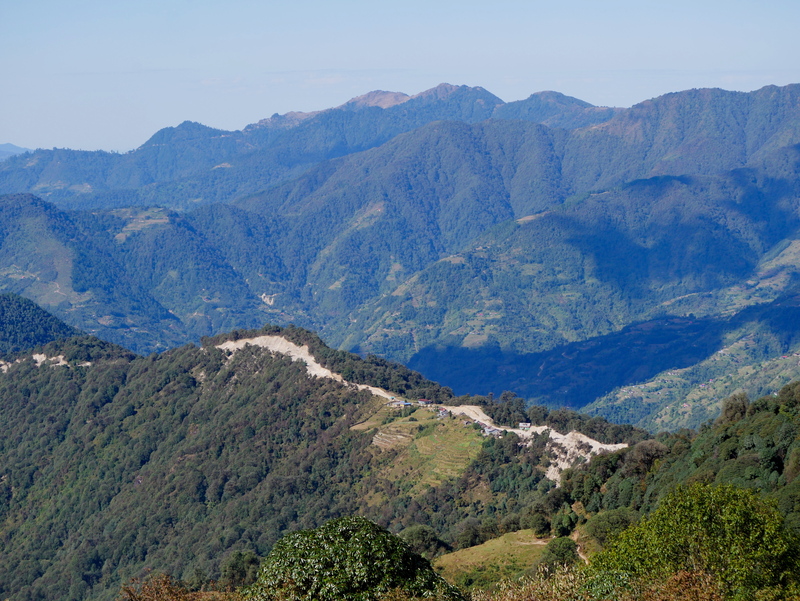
{"x": 9, "y": 150}
{"x": 563, "y": 251}
{"x": 182, "y": 166}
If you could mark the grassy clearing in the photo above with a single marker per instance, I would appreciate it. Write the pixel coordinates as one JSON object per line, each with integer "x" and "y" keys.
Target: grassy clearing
{"x": 436, "y": 450}
{"x": 508, "y": 556}
{"x": 378, "y": 413}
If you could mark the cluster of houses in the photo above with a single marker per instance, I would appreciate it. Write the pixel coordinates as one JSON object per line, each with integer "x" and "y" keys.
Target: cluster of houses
{"x": 488, "y": 430}
{"x": 403, "y": 404}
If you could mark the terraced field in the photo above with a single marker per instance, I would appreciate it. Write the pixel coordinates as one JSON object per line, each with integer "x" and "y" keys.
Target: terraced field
{"x": 432, "y": 449}
{"x": 395, "y": 435}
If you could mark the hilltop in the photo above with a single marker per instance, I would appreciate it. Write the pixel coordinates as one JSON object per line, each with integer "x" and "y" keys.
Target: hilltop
{"x": 129, "y": 461}
{"x": 25, "y": 325}
{"x": 182, "y": 462}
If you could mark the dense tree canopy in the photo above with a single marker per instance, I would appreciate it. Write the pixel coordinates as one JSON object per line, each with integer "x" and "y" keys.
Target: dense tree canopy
{"x": 724, "y": 531}
{"x": 348, "y": 558}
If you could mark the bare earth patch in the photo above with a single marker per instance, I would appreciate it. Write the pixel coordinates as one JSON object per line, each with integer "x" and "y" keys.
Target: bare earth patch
{"x": 566, "y": 449}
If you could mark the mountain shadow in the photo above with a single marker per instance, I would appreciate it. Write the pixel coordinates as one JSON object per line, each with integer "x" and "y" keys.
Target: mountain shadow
{"x": 573, "y": 375}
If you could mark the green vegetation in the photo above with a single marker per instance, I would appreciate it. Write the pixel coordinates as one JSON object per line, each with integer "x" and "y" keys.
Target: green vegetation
{"x": 644, "y": 267}
{"x": 129, "y": 461}
{"x": 347, "y": 558}
{"x": 506, "y": 557}
{"x": 562, "y": 264}
{"x": 558, "y": 552}
{"x": 723, "y": 531}
{"x": 197, "y": 461}
{"x": 181, "y": 166}
{"x": 24, "y": 325}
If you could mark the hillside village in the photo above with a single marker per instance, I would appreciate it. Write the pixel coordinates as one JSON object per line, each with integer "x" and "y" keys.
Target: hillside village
{"x": 567, "y": 449}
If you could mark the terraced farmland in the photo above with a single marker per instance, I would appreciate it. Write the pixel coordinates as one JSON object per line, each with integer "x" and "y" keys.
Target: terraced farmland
{"x": 432, "y": 449}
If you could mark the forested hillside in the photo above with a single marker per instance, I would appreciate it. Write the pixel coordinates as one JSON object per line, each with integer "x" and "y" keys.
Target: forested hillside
{"x": 176, "y": 461}
{"x": 544, "y": 240}
{"x": 24, "y": 325}
{"x": 179, "y": 166}
{"x": 188, "y": 461}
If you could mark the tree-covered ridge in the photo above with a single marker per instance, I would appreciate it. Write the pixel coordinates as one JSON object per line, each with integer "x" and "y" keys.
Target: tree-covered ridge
{"x": 9, "y": 150}
{"x": 128, "y": 461}
{"x": 374, "y": 371}
{"x": 140, "y": 453}
{"x": 24, "y": 325}
{"x": 751, "y": 445}
{"x": 714, "y": 542}
{"x": 182, "y": 164}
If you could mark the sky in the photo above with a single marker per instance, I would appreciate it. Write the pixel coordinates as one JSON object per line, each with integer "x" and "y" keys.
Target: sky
{"x": 99, "y": 74}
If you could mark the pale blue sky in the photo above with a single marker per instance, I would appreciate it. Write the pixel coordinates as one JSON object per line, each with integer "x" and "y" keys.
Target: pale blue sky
{"x": 97, "y": 74}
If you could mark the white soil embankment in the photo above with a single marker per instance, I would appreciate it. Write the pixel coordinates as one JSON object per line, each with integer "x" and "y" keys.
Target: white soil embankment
{"x": 41, "y": 359}
{"x": 278, "y": 344}
{"x": 54, "y": 361}
{"x": 566, "y": 448}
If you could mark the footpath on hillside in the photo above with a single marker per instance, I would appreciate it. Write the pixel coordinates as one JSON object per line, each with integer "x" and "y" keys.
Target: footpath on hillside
{"x": 566, "y": 448}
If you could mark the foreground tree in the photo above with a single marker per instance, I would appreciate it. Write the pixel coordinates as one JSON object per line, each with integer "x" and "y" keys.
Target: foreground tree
{"x": 347, "y": 558}
{"x": 728, "y": 533}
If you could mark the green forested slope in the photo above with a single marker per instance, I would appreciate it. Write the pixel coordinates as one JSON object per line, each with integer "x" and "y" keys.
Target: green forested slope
{"x": 555, "y": 110}
{"x": 751, "y": 445}
{"x": 67, "y": 263}
{"x": 169, "y": 461}
{"x": 24, "y": 325}
{"x": 181, "y": 166}
{"x": 114, "y": 463}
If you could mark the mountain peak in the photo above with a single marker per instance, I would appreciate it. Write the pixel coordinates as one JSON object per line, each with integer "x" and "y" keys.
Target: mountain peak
{"x": 559, "y": 99}
{"x": 440, "y": 92}
{"x": 9, "y": 150}
{"x": 379, "y": 98}
{"x": 555, "y": 109}
{"x": 476, "y": 103}
{"x": 188, "y": 130}
{"x": 285, "y": 121}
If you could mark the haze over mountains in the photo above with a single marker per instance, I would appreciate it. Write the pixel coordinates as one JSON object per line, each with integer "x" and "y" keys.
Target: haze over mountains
{"x": 9, "y": 150}
{"x": 487, "y": 244}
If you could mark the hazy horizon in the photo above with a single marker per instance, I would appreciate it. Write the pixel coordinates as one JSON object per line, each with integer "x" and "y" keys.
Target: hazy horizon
{"x": 92, "y": 75}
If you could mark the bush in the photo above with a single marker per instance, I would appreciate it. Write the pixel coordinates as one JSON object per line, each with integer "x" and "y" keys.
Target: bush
{"x": 723, "y": 531}
{"x": 606, "y": 525}
{"x": 560, "y": 551}
{"x": 347, "y": 558}
{"x": 424, "y": 541}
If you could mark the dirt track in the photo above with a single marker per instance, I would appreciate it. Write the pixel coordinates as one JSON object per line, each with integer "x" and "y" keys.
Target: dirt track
{"x": 566, "y": 448}
{"x": 278, "y": 344}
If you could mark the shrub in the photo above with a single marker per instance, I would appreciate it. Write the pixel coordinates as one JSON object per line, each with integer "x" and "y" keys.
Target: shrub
{"x": 723, "y": 531}
{"x": 347, "y": 558}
